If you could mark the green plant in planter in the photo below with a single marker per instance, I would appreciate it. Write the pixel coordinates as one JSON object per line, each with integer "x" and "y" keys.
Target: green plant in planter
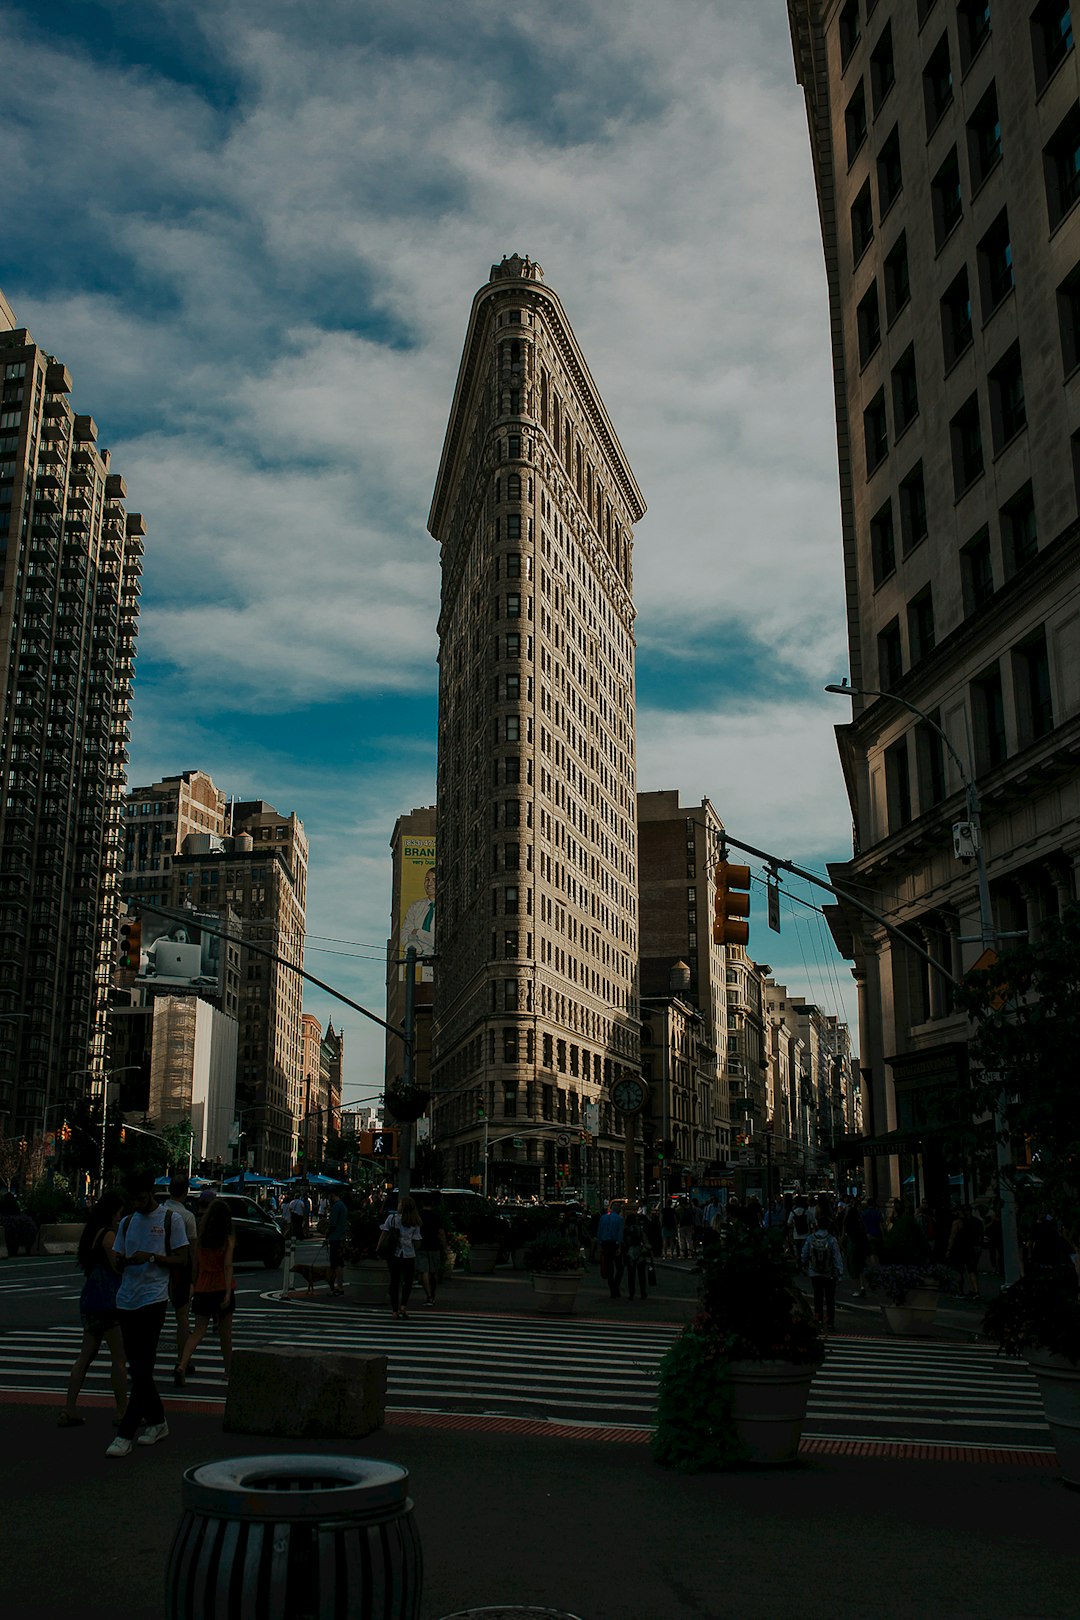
{"x": 897, "y": 1281}
{"x": 526, "y": 1224}
{"x": 1038, "y": 1312}
{"x": 552, "y": 1250}
{"x": 363, "y": 1236}
{"x": 483, "y": 1223}
{"x": 694, "y": 1430}
{"x": 751, "y": 1310}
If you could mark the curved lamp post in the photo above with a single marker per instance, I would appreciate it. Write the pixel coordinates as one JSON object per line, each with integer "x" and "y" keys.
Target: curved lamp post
{"x": 1010, "y": 1245}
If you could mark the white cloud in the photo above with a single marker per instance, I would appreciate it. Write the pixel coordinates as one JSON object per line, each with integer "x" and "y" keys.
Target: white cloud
{"x": 262, "y": 294}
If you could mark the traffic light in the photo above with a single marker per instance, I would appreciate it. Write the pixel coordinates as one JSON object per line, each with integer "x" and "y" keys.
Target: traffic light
{"x": 123, "y": 1135}
{"x": 481, "y": 1111}
{"x": 65, "y": 1132}
{"x": 384, "y": 1144}
{"x": 732, "y": 905}
{"x": 130, "y": 944}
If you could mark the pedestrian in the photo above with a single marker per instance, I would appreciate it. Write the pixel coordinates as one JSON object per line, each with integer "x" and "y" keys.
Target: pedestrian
{"x": 214, "y": 1299}
{"x": 964, "y": 1248}
{"x": 397, "y": 1246}
{"x": 148, "y": 1243}
{"x": 434, "y": 1247}
{"x": 800, "y": 1225}
{"x": 669, "y": 1226}
{"x": 337, "y": 1230}
{"x": 609, "y": 1235}
{"x": 653, "y": 1234}
{"x": 874, "y": 1222}
{"x": 298, "y": 1214}
{"x": 181, "y": 1277}
{"x": 686, "y": 1229}
{"x": 824, "y": 1265}
{"x": 97, "y": 1307}
{"x": 856, "y": 1247}
{"x": 635, "y": 1254}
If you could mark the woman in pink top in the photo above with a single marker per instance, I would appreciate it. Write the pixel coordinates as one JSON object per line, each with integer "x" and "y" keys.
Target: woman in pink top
{"x": 214, "y": 1297}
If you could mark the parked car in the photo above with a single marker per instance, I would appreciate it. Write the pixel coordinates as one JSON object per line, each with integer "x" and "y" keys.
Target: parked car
{"x": 259, "y": 1238}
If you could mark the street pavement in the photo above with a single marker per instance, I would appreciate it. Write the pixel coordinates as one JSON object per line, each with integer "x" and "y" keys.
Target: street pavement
{"x": 522, "y": 1498}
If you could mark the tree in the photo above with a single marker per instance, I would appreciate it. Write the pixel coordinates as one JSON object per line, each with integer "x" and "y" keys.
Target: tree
{"x": 177, "y": 1141}
{"x": 1026, "y": 1012}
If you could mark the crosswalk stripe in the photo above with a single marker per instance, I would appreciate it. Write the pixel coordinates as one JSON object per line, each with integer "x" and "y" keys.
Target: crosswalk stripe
{"x": 867, "y": 1390}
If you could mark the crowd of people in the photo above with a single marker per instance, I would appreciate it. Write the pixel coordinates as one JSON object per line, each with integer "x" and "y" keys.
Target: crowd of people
{"x": 140, "y": 1257}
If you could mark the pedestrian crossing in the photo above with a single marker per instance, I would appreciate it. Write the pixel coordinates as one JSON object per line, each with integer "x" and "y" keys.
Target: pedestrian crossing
{"x": 589, "y": 1373}
{"x": 907, "y": 1390}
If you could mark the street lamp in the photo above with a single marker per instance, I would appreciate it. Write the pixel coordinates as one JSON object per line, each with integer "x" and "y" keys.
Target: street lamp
{"x": 107, "y": 1075}
{"x": 972, "y": 837}
{"x": 971, "y": 834}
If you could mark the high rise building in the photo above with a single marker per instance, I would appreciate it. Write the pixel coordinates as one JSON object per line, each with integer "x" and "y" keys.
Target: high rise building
{"x": 188, "y": 849}
{"x": 536, "y": 1011}
{"x": 158, "y": 818}
{"x": 412, "y": 923}
{"x": 72, "y": 560}
{"x": 678, "y": 847}
{"x": 946, "y": 151}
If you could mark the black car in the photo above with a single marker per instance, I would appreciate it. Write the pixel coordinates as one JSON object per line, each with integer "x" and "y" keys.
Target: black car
{"x": 258, "y": 1235}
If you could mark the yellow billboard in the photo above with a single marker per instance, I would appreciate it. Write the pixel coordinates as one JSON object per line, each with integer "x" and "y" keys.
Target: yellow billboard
{"x": 417, "y": 916}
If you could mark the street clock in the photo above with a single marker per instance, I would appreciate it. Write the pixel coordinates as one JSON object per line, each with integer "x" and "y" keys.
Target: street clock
{"x": 629, "y": 1095}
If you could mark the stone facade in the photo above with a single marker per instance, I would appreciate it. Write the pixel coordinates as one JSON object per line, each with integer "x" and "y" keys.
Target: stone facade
{"x": 535, "y": 990}
{"x": 946, "y": 144}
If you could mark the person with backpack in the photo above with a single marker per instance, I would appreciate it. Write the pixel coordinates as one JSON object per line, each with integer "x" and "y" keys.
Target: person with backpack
{"x": 824, "y": 1265}
{"x": 182, "y": 1277}
{"x": 800, "y": 1225}
{"x": 635, "y": 1253}
{"x": 149, "y": 1243}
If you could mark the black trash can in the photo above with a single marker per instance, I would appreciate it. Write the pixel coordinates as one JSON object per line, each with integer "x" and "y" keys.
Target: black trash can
{"x": 295, "y": 1538}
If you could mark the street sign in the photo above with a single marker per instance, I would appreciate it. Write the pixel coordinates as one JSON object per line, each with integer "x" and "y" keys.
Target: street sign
{"x": 563, "y": 1139}
{"x": 518, "y": 1141}
{"x": 773, "y": 893}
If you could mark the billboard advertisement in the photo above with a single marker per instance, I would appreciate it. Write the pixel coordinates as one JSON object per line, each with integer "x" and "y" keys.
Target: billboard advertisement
{"x": 181, "y": 955}
{"x": 417, "y": 916}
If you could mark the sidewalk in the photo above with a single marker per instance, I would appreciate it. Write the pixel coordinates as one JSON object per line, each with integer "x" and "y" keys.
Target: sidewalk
{"x": 597, "y": 1530}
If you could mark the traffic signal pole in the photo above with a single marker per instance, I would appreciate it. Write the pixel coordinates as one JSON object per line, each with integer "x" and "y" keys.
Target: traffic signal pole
{"x": 406, "y": 1128}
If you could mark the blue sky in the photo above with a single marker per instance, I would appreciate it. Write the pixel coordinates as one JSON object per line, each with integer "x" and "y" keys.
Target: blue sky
{"x": 253, "y": 233}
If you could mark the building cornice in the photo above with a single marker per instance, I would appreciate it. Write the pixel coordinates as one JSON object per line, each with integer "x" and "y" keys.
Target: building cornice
{"x": 540, "y": 298}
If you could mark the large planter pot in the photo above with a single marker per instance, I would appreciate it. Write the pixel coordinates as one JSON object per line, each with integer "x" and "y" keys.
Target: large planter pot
{"x": 915, "y": 1315}
{"x": 482, "y": 1258}
{"x": 1059, "y": 1385}
{"x": 556, "y": 1291}
{"x": 768, "y": 1407}
{"x": 368, "y": 1282}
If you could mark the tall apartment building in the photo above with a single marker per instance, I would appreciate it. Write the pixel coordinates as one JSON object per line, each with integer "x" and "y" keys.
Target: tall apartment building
{"x": 535, "y": 991}
{"x": 186, "y": 847}
{"x": 412, "y": 923}
{"x": 157, "y": 819}
{"x": 677, "y": 853}
{"x": 72, "y": 560}
{"x": 946, "y": 150}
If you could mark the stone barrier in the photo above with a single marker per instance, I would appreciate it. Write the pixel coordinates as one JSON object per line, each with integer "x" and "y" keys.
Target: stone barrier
{"x": 304, "y": 1394}
{"x": 60, "y": 1238}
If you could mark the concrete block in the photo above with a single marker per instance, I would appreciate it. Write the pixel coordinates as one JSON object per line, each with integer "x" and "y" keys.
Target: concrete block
{"x": 62, "y": 1237}
{"x": 305, "y": 1394}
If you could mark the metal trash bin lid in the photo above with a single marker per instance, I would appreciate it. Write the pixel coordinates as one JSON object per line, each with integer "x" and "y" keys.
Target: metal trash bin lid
{"x": 297, "y": 1487}
{"x": 510, "y": 1611}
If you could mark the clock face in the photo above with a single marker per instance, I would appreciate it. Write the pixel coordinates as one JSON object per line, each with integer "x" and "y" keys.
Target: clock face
{"x": 629, "y": 1095}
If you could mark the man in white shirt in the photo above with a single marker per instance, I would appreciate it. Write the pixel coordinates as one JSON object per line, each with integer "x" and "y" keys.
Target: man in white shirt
{"x": 148, "y": 1244}
{"x": 180, "y": 1279}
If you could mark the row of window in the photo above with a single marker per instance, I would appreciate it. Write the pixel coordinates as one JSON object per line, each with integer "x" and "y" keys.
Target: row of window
{"x": 1050, "y": 23}
{"x": 1008, "y": 417}
{"x": 1032, "y": 697}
